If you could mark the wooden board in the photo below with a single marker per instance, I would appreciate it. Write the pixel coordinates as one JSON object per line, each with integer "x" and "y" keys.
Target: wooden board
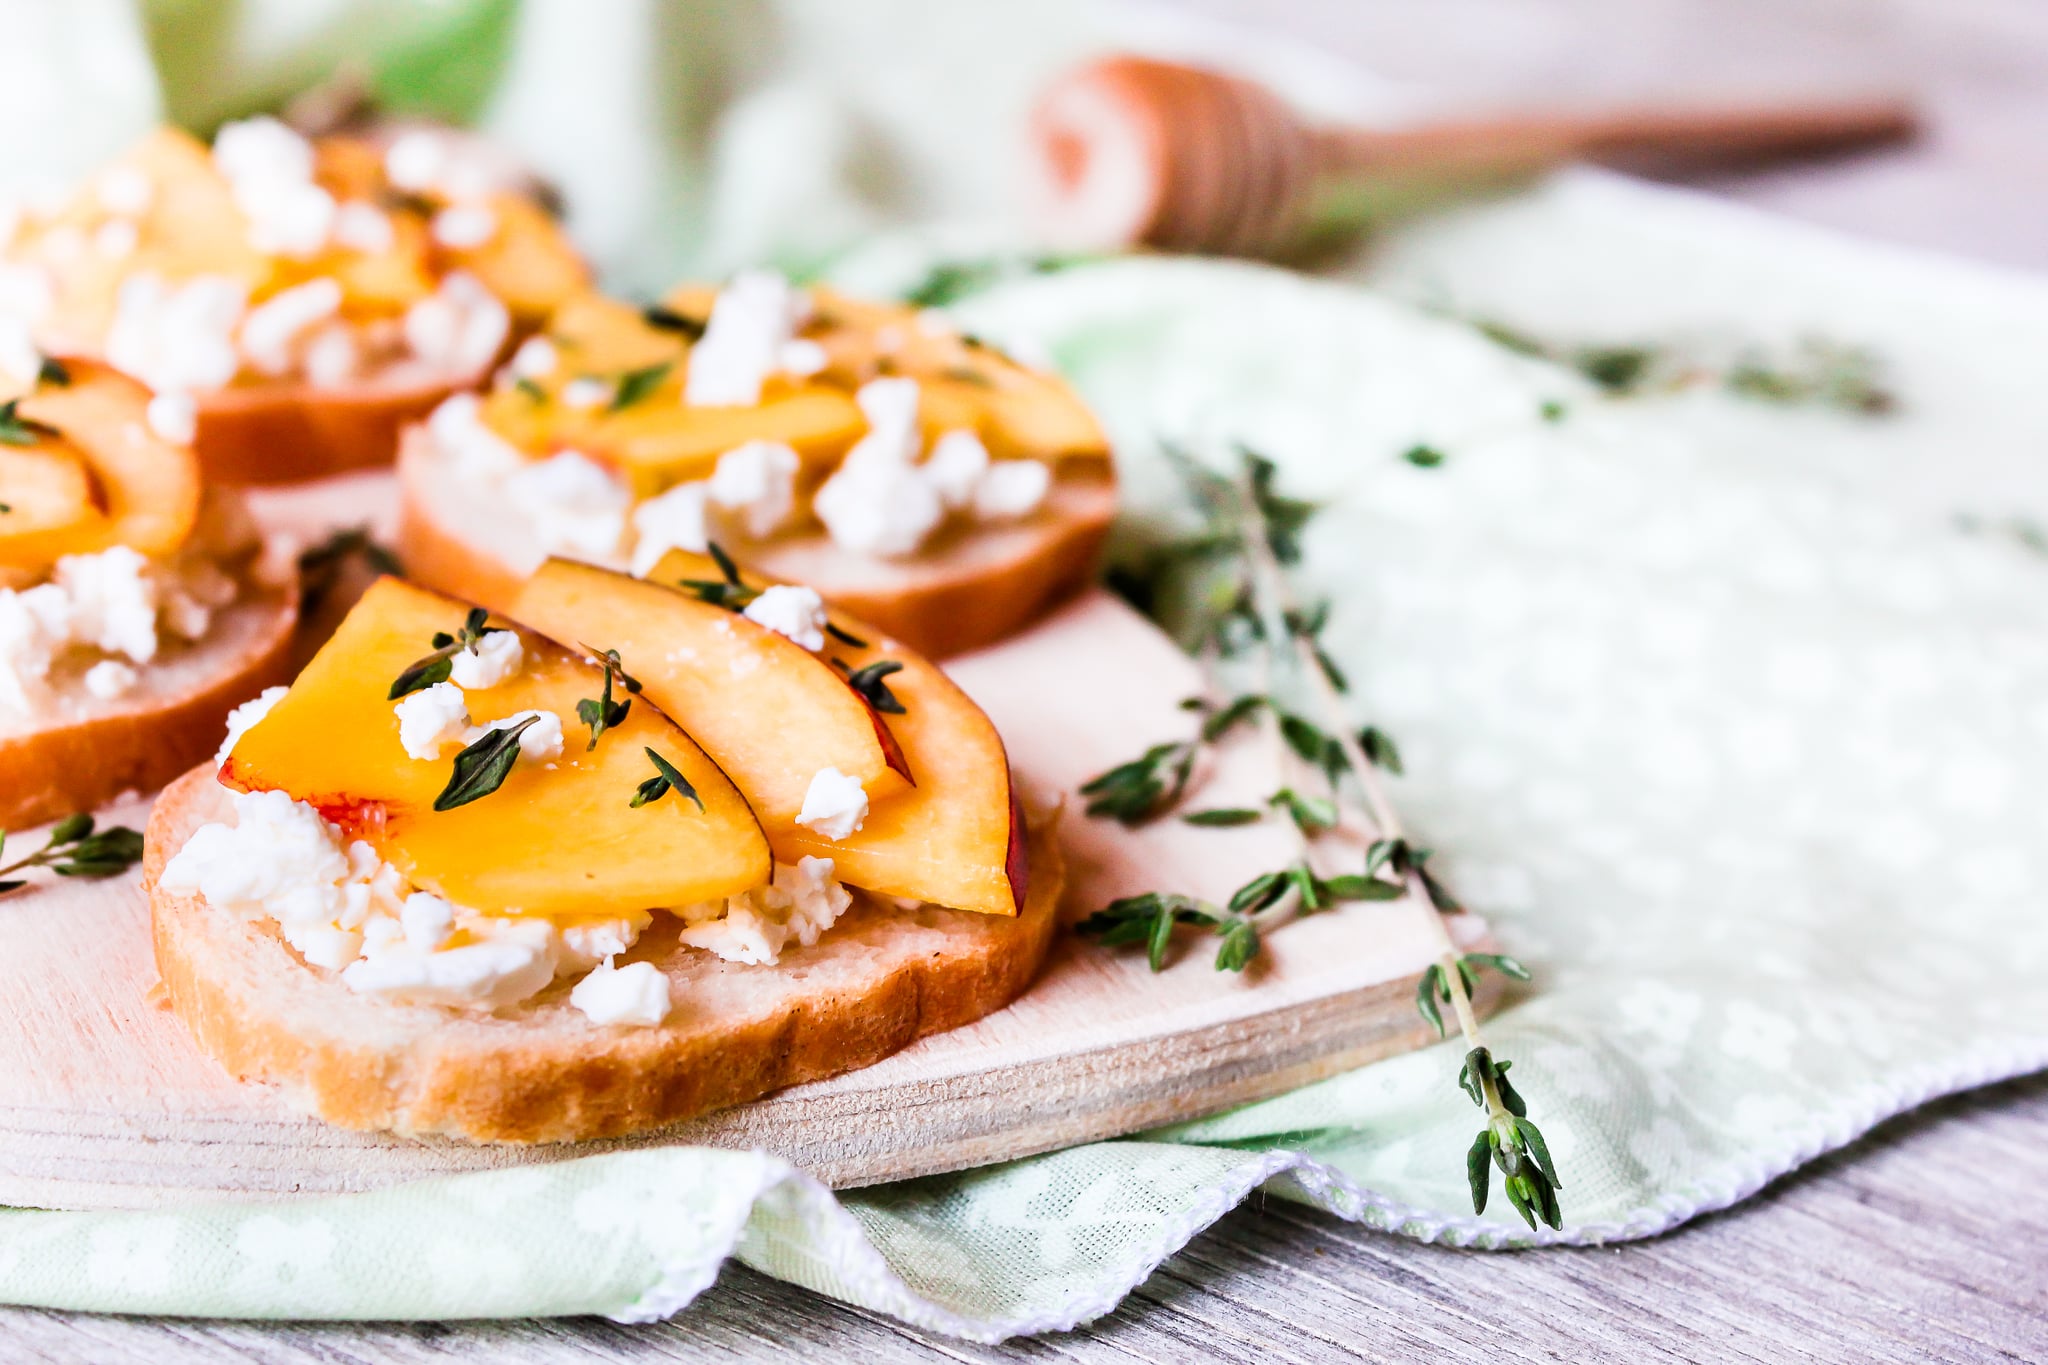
{"x": 106, "y": 1102}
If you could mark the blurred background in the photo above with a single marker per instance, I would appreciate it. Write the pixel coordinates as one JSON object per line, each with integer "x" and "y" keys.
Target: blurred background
{"x": 694, "y": 137}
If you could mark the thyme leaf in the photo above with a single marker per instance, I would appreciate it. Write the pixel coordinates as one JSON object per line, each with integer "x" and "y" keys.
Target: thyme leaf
{"x": 667, "y": 319}
{"x": 666, "y": 778}
{"x": 636, "y": 385}
{"x": 75, "y": 849}
{"x": 16, "y": 430}
{"x": 869, "y": 682}
{"x": 483, "y": 767}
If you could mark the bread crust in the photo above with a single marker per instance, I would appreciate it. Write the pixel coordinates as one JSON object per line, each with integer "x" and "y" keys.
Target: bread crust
{"x": 980, "y": 587}
{"x": 289, "y": 432}
{"x": 138, "y": 744}
{"x": 541, "y": 1072}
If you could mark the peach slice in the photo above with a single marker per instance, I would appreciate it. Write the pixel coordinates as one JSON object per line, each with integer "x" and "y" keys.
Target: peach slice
{"x": 956, "y": 838}
{"x": 527, "y": 262}
{"x": 145, "y": 490}
{"x": 768, "y": 710}
{"x": 558, "y": 839}
{"x": 43, "y": 488}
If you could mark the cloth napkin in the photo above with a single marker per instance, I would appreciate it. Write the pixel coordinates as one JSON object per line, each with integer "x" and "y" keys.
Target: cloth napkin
{"x": 1720, "y": 711}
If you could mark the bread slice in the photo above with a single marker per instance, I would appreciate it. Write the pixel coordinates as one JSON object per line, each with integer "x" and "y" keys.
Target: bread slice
{"x": 87, "y": 751}
{"x": 542, "y": 1072}
{"x": 964, "y": 591}
{"x": 289, "y": 432}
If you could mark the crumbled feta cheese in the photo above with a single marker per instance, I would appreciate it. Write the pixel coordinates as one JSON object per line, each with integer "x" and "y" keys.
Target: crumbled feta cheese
{"x": 113, "y": 601}
{"x": 177, "y": 339}
{"x": 572, "y": 503}
{"x": 584, "y": 393}
{"x": 124, "y": 190}
{"x": 540, "y": 742}
{"x": 674, "y": 520}
{"x": 488, "y": 662}
{"x": 795, "y": 612}
{"x": 464, "y": 226}
{"x": 429, "y": 161}
{"x": 109, "y": 678}
{"x": 19, "y": 357}
{"x": 801, "y": 903}
{"x": 536, "y": 358}
{"x": 431, "y": 719}
{"x": 636, "y": 993}
{"x": 1011, "y": 489}
{"x": 363, "y": 227}
{"x": 878, "y": 508}
{"x": 116, "y": 239}
{"x": 273, "y": 328}
{"x": 244, "y": 717}
{"x": 173, "y": 417}
{"x": 585, "y": 943}
{"x": 754, "y": 317}
{"x": 757, "y": 481}
{"x": 835, "y": 805}
{"x": 279, "y": 859}
{"x": 890, "y": 405}
{"x": 513, "y": 962}
{"x": 955, "y": 468}
{"x": 427, "y": 921}
{"x": 802, "y": 358}
{"x": 331, "y": 356}
{"x": 269, "y": 170}
{"x": 460, "y": 327}
{"x": 459, "y": 432}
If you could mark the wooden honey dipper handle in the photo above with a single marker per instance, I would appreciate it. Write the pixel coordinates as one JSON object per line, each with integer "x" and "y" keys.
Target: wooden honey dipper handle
{"x": 1135, "y": 151}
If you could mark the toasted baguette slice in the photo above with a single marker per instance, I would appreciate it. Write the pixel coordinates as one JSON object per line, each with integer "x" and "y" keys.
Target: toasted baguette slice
{"x": 290, "y": 432}
{"x": 88, "y": 751}
{"x": 542, "y": 1072}
{"x": 965, "y": 591}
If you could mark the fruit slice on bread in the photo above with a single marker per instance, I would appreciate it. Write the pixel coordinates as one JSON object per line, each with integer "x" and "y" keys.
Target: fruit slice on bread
{"x": 571, "y": 838}
{"x": 613, "y": 386}
{"x": 953, "y": 838}
{"x": 555, "y": 838}
{"x": 82, "y": 475}
{"x": 170, "y": 214}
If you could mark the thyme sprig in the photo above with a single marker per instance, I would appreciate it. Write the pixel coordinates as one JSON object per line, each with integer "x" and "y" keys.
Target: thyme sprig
{"x": 435, "y": 667}
{"x": 16, "y": 430}
{"x": 321, "y": 566}
{"x": 637, "y": 385}
{"x": 871, "y": 681}
{"x": 666, "y": 778}
{"x": 735, "y": 594}
{"x": 602, "y": 713}
{"x": 482, "y": 768}
{"x": 665, "y": 319}
{"x": 1223, "y": 588}
{"x": 75, "y": 849}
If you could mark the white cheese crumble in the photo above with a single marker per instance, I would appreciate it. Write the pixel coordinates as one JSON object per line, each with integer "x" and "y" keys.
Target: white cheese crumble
{"x": 116, "y": 239}
{"x": 587, "y": 942}
{"x": 113, "y": 602}
{"x": 572, "y": 502}
{"x": 753, "y": 318}
{"x": 802, "y": 357}
{"x": 536, "y": 358}
{"x": 956, "y": 467}
{"x": 584, "y": 393}
{"x": 331, "y": 356}
{"x": 244, "y": 717}
{"x": 429, "y": 161}
{"x": 488, "y": 662}
{"x": 272, "y": 330}
{"x": 673, "y": 520}
{"x": 463, "y": 227}
{"x": 636, "y": 993}
{"x": 1011, "y": 490}
{"x": 795, "y": 612}
{"x": 431, "y": 719}
{"x": 363, "y": 227}
{"x": 801, "y": 903}
{"x": 757, "y": 483}
{"x": 426, "y": 920}
{"x": 514, "y": 962}
{"x": 177, "y": 339}
{"x": 110, "y": 678}
{"x": 173, "y": 417}
{"x": 835, "y": 805}
{"x": 876, "y": 507}
{"x": 460, "y": 433}
{"x": 460, "y": 327}
{"x": 19, "y": 357}
{"x": 269, "y": 170}
{"x": 540, "y": 742}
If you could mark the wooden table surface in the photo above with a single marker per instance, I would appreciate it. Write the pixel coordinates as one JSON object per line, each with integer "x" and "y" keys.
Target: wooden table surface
{"x": 1926, "y": 1241}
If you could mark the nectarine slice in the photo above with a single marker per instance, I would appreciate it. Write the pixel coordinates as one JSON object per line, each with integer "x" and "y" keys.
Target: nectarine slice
{"x": 558, "y": 838}
{"x": 956, "y": 838}
{"x": 768, "y": 710}
{"x": 145, "y": 490}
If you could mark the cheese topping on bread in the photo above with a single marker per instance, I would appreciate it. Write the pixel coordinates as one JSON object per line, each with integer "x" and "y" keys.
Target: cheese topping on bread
{"x": 758, "y": 411}
{"x": 273, "y": 258}
{"x": 110, "y": 554}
